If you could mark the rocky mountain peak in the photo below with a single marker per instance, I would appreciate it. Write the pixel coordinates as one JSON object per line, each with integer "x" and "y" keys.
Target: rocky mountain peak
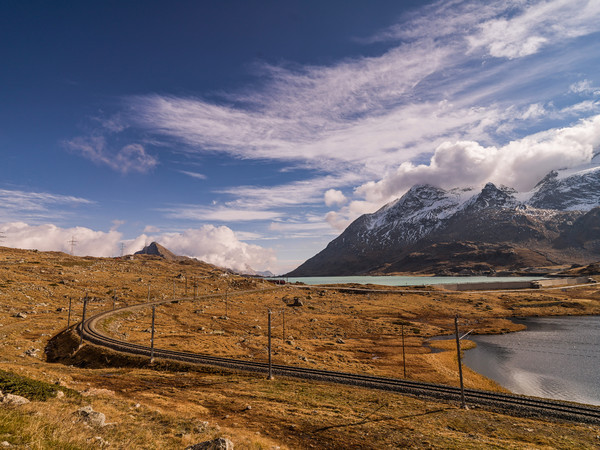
{"x": 569, "y": 190}
{"x": 493, "y": 197}
{"x": 155, "y": 249}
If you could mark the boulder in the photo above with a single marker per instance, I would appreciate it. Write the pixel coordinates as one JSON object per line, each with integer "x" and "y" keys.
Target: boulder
{"x": 12, "y": 400}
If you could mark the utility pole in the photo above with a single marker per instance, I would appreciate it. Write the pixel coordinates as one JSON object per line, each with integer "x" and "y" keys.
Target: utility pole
{"x": 85, "y": 299}
{"x": 122, "y": 249}
{"x": 69, "y": 316}
{"x": 73, "y": 244}
{"x": 152, "y": 335}
{"x": 283, "y": 318}
{"x": 463, "y": 404}
{"x": 270, "y": 377}
{"x": 403, "y": 353}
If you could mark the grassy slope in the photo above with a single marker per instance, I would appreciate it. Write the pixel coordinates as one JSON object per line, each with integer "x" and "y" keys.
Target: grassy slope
{"x": 170, "y": 406}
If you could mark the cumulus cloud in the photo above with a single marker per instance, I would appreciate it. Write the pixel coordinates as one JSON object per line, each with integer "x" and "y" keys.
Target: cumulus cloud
{"x": 49, "y": 237}
{"x": 215, "y": 245}
{"x": 130, "y": 158}
{"x": 334, "y": 197}
{"x": 219, "y": 246}
{"x": 519, "y": 164}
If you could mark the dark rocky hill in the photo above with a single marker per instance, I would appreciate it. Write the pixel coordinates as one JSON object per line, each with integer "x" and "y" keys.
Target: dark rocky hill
{"x": 155, "y": 249}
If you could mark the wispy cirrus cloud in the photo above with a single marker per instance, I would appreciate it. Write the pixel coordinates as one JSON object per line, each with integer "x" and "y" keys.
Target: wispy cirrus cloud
{"x": 130, "y": 158}
{"x": 198, "y": 176}
{"x": 543, "y": 24}
{"x": 456, "y": 88}
{"x": 36, "y": 206}
{"x": 394, "y": 106}
{"x": 217, "y": 214}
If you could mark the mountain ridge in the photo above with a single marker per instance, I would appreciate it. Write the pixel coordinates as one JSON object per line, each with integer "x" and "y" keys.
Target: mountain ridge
{"x": 460, "y": 229}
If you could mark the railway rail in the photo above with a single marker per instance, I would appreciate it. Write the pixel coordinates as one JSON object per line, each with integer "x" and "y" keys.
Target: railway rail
{"x": 510, "y": 403}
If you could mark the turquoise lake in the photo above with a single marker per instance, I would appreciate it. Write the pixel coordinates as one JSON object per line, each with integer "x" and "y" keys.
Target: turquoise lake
{"x": 403, "y": 280}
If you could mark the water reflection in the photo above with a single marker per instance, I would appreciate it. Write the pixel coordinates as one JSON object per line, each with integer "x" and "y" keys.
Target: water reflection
{"x": 556, "y": 357}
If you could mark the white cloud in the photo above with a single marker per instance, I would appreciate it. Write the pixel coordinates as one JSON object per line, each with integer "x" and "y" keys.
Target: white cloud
{"x": 334, "y": 197}
{"x": 536, "y": 25}
{"x": 151, "y": 229}
{"x": 199, "y": 176}
{"x": 15, "y": 204}
{"x": 218, "y": 214}
{"x": 49, "y": 237}
{"x": 339, "y": 220}
{"x": 584, "y": 87}
{"x": 130, "y": 158}
{"x": 519, "y": 164}
{"x": 116, "y": 224}
{"x": 433, "y": 107}
{"x": 215, "y": 245}
{"x": 219, "y": 246}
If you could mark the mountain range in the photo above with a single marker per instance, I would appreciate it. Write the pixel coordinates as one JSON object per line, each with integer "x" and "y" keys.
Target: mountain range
{"x": 472, "y": 231}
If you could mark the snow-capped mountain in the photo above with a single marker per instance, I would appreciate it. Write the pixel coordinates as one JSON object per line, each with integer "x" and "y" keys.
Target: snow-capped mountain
{"x": 576, "y": 189}
{"x": 437, "y": 230}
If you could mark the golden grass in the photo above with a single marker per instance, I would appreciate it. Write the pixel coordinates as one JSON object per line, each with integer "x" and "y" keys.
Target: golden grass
{"x": 167, "y": 406}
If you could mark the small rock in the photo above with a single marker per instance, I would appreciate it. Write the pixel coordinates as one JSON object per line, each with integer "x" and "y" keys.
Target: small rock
{"x": 248, "y": 408}
{"x": 216, "y": 444}
{"x": 340, "y": 341}
{"x": 60, "y": 394}
{"x": 32, "y": 352}
{"x": 202, "y": 427}
{"x": 5, "y": 444}
{"x": 92, "y": 417}
{"x": 100, "y": 441}
{"x": 20, "y": 315}
{"x": 13, "y": 400}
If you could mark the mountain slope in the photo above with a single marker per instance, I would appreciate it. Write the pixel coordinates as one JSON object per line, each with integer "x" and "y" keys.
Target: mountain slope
{"x": 430, "y": 229}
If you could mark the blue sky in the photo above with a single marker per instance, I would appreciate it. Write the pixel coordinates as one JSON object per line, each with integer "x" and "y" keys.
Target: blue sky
{"x": 251, "y": 133}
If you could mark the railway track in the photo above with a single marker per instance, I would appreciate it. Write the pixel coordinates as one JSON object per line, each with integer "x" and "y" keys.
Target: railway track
{"x": 515, "y": 404}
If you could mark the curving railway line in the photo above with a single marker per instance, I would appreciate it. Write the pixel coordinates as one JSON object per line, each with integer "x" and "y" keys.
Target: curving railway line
{"x": 515, "y": 404}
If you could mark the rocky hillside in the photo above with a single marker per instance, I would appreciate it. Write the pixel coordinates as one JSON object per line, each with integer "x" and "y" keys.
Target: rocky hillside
{"x": 155, "y": 249}
{"x": 433, "y": 230}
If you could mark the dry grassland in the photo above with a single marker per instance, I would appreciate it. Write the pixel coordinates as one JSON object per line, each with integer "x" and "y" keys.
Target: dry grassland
{"x": 171, "y": 406}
